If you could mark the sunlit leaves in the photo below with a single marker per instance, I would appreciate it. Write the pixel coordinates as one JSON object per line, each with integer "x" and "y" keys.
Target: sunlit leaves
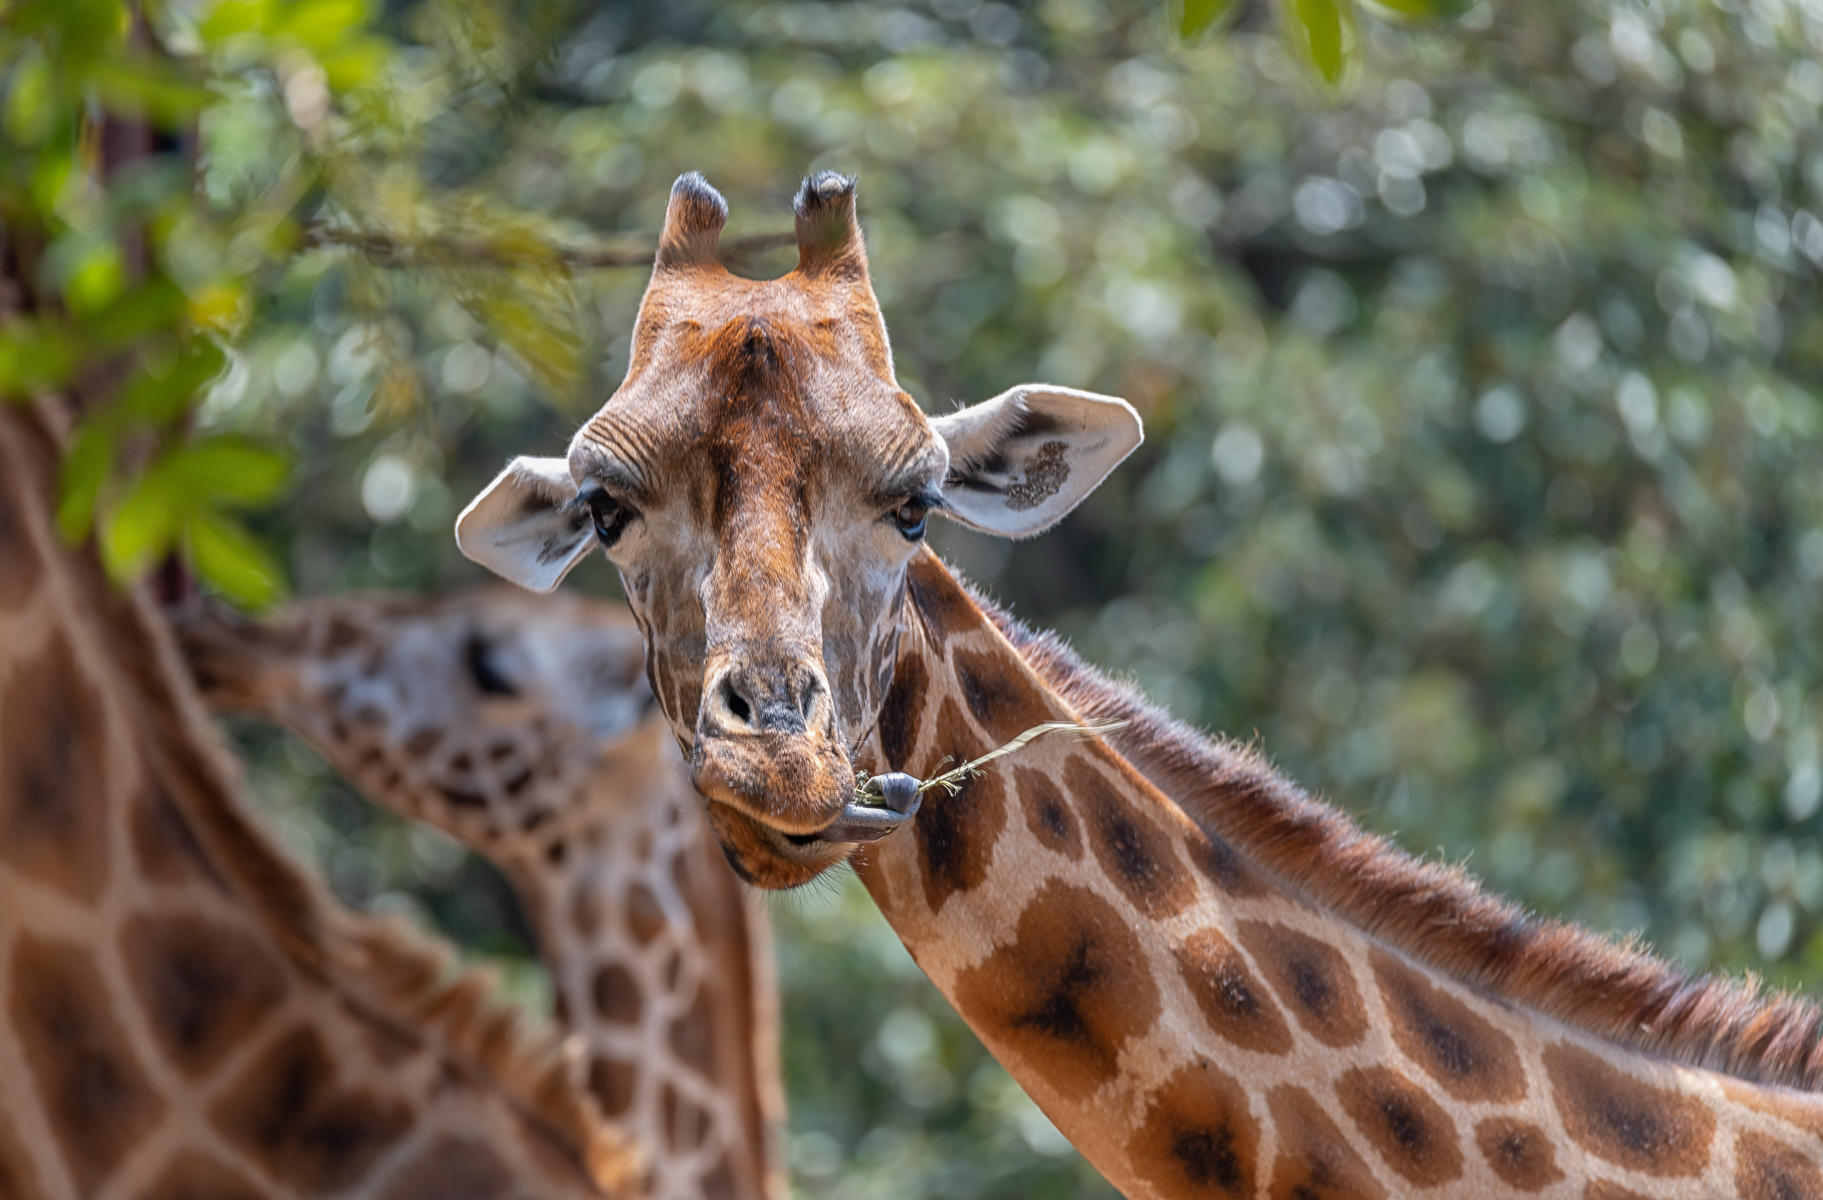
{"x": 225, "y": 554}
{"x": 179, "y": 503}
{"x": 1199, "y": 15}
{"x": 139, "y": 84}
{"x": 1323, "y": 28}
{"x": 233, "y": 471}
{"x": 1424, "y": 10}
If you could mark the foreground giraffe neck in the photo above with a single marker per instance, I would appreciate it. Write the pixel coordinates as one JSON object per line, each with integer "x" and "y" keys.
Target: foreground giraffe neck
{"x": 519, "y": 726}
{"x": 1198, "y": 1028}
{"x": 183, "y": 1013}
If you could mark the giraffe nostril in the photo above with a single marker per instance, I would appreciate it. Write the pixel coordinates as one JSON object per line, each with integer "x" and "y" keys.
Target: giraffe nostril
{"x": 733, "y": 702}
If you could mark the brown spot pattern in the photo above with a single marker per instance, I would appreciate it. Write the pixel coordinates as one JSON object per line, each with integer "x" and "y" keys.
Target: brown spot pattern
{"x": 287, "y": 1112}
{"x": 645, "y": 915}
{"x": 611, "y": 1082}
{"x": 1136, "y": 854}
{"x": 203, "y": 985}
{"x": 1314, "y": 1161}
{"x": 617, "y": 996}
{"x": 1067, "y": 994}
{"x": 1047, "y": 815}
{"x": 194, "y": 1175}
{"x": 720, "y": 1184}
{"x": 938, "y": 599}
{"x": 956, "y": 833}
{"x": 18, "y": 1176}
{"x": 1231, "y": 999}
{"x": 451, "y": 1166}
{"x": 1003, "y": 701}
{"x": 1220, "y": 865}
{"x": 1625, "y": 1120}
{"x": 1767, "y": 1169}
{"x": 1198, "y": 1137}
{"x": 95, "y": 1093}
{"x": 686, "y": 1122}
{"x": 693, "y": 1034}
{"x": 1519, "y": 1152}
{"x": 1601, "y": 1189}
{"x": 1311, "y": 978}
{"x": 53, "y": 819}
{"x": 1461, "y": 1050}
{"x": 1407, "y": 1128}
{"x": 20, "y": 569}
{"x": 163, "y": 845}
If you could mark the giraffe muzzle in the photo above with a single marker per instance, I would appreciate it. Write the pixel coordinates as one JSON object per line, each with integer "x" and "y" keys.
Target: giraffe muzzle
{"x": 892, "y": 801}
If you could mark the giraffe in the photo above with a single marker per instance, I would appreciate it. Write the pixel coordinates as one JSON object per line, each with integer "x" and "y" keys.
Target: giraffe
{"x": 184, "y": 1013}
{"x": 523, "y": 727}
{"x": 1213, "y": 983}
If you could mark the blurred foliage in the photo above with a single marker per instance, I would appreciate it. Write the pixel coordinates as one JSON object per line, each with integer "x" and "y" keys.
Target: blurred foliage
{"x": 1482, "y": 477}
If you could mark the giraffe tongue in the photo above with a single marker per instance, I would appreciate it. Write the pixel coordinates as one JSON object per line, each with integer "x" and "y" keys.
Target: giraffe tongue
{"x": 897, "y": 802}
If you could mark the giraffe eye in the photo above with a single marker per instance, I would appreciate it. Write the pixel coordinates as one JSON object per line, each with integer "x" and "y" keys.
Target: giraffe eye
{"x": 609, "y": 515}
{"x": 483, "y": 671}
{"x": 910, "y": 518}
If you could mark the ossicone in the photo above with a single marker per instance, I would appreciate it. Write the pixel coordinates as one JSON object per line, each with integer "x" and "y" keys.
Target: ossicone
{"x": 829, "y": 235}
{"x": 693, "y": 223}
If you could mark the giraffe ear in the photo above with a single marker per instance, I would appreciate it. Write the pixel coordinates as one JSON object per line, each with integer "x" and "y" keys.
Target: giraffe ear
{"x": 1020, "y": 462}
{"x": 523, "y": 526}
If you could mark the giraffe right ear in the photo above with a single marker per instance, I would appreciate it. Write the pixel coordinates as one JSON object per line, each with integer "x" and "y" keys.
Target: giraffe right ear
{"x": 523, "y": 526}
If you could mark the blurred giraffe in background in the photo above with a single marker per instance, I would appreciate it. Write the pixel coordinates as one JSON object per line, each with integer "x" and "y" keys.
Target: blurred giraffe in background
{"x": 525, "y": 729}
{"x": 184, "y": 1012}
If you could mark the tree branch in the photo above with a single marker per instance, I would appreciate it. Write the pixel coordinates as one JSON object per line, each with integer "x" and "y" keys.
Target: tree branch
{"x": 439, "y": 248}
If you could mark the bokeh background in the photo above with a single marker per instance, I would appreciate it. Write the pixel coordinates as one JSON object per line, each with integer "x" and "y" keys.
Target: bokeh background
{"x": 1483, "y": 485}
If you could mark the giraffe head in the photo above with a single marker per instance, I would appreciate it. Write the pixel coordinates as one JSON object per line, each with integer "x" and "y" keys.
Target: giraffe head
{"x": 761, "y": 481}
{"x": 487, "y": 711}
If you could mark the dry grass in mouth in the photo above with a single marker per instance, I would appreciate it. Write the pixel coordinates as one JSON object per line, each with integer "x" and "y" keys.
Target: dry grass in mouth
{"x": 868, "y": 793}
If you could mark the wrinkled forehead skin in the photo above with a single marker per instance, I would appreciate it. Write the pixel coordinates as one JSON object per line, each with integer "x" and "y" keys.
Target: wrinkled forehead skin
{"x": 747, "y": 397}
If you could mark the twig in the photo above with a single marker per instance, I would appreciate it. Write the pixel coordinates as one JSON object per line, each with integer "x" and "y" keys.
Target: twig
{"x": 951, "y": 780}
{"x": 441, "y": 248}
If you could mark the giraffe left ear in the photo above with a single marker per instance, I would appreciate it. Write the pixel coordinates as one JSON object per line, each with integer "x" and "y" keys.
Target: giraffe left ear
{"x": 523, "y": 526}
{"x": 1020, "y": 462}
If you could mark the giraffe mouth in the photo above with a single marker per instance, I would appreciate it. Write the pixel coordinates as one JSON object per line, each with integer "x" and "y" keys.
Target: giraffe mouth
{"x": 892, "y": 801}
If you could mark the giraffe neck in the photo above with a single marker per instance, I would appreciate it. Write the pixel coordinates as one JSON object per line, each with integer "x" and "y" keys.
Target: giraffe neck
{"x": 185, "y": 1012}
{"x": 661, "y": 965}
{"x": 660, "y": 961}
{"x": 1197, "y": 1023}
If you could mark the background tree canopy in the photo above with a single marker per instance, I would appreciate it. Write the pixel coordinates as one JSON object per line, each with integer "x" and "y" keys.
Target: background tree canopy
{"x": 1482, "y": 484}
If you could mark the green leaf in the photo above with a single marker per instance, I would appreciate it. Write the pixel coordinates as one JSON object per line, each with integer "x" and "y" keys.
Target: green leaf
{"x": 1424, "y": 10}
{"x": 86, "y": 464}
{"x": 232, "y": 560}
{"x": 165, "y": 396}
{"x": 1199, "y": 15}
{"x": 156, "y": 304}
{"x": 233, "y": 18}
{"x": 34, "y": 358}
{"x": 353, "y": 64}
{"x": 31, "y": 103}
{"x": 1325, "y": 36}
{"x": 158, "y": 89}
{"x": 323, "y": 25}
{"x": 232, "y": 471}
{"x": 140, "y": 529}
{"x": 94, "y": 277}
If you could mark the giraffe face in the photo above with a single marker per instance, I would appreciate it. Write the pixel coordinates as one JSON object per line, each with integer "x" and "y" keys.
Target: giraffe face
{"x": 762, "y": 482}
{"x": 487, "y": 712}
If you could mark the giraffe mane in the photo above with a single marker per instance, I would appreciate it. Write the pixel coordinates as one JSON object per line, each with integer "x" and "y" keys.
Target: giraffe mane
{"x": 393, "y": 974}
{"x": 1434, "y": 912}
